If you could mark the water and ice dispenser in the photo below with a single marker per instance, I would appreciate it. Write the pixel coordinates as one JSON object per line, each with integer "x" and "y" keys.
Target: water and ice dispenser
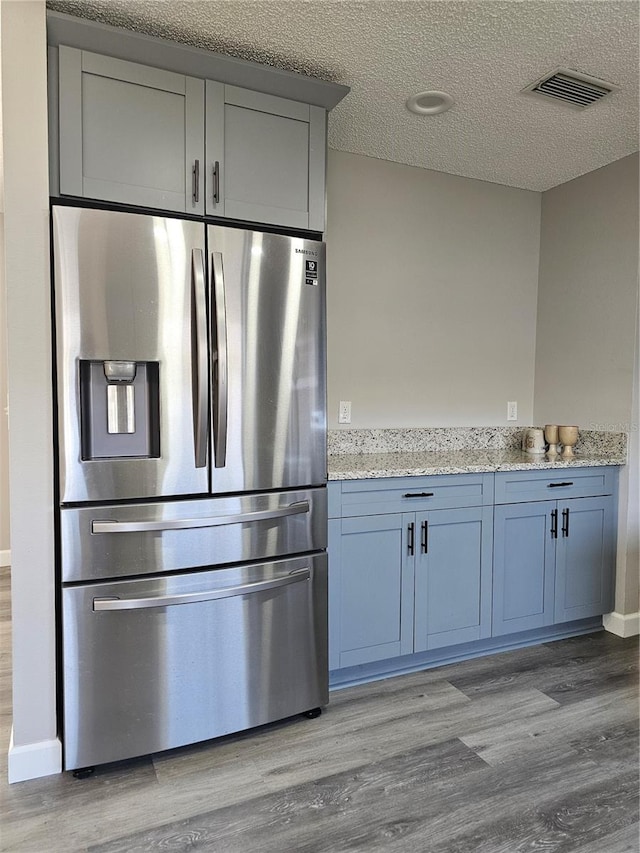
{"x": 120, "y": 409}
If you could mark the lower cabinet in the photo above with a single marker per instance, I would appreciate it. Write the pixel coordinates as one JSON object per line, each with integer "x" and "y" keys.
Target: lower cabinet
{"x": 405, "y": 582}
{"x": 375, "y": 615}
{"x": 523, "y": 563}
{"x": 408, "y": 582}
{"x": 452, "y": 577}
{"x": 585, "y": 557}
{"x": 553, "y": 562}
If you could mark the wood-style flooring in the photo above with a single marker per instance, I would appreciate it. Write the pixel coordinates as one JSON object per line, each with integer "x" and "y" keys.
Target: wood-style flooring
{"x": 532, "y": 750}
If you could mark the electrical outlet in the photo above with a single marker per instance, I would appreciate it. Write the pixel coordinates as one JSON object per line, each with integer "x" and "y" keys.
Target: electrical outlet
{"x": 512, "y": 411}
{"x": 344, "y": 412}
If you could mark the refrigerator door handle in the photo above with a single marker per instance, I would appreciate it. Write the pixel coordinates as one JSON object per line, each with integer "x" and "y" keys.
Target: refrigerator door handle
{"x": 220, "y": 410}
{"x": 196, "y": 597}
{"x": 199, "y": 359}
{"x": 109, "y": 526}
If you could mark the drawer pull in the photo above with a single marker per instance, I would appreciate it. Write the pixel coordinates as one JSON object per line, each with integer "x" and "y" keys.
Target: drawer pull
{"x": 557, "y": 485}
{"x": 418, "y": 495}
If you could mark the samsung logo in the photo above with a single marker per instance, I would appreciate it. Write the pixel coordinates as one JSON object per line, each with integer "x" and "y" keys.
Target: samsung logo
{"x": 307, "y": 252}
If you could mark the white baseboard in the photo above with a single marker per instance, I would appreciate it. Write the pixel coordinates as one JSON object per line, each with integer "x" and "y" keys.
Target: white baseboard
{"x": 34, "y": 760}
{"x": 624, "y": 625}
{"x": 5, "y": 558}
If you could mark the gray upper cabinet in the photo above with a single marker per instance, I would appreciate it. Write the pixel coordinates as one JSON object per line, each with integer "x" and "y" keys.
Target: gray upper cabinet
{"x": 129, "y": 133}
{"x": 265, "y": 158}
{"x": 139, "y": 135}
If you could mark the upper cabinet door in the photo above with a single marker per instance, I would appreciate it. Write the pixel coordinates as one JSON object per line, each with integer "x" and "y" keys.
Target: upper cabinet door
{"x": 130, "y": 133}
{"x": 265, "y": 158}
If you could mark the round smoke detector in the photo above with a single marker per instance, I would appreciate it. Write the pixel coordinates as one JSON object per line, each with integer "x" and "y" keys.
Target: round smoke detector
{"x": 429, "y": 103}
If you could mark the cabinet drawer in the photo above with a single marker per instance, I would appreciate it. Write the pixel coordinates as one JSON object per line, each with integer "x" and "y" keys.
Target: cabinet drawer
{"x": 522, "y": 486}
{"x": 415, "y": 494}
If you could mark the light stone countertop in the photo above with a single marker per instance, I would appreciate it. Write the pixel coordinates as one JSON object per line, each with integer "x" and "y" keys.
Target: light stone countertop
{"x": 361, "y": 466}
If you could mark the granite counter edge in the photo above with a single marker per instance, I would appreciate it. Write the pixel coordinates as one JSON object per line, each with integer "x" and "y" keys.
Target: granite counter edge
{"x": 336, "y": 473}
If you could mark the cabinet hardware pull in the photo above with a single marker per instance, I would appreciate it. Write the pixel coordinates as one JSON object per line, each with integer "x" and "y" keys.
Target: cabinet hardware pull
{"x": 425, "y": 537}
{"x": 418, "y": 495}
{"x": 216, "y": 182}
{"x": 554, "y": 524}
{"x": 557, "y": 485}
{"x": 411, "y": 532}
{"x": 196, "y": 182}
{"x": 565, "y": 523}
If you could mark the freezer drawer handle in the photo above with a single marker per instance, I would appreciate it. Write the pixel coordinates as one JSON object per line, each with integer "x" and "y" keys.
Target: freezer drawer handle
{"x": 109, "y": 526}
{"x": 195, "y": 597}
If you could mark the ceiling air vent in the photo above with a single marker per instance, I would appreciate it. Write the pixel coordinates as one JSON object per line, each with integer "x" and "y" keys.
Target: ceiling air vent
{"x": 574, "y": 88}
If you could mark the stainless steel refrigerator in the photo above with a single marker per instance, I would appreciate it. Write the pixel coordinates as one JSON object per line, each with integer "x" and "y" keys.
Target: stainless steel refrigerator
{"x": 190, "y": 363}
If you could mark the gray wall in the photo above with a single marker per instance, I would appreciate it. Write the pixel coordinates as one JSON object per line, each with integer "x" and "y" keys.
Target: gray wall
{"x": 34, "y": 748}
{"x": 4, "y": 424}
{"x": 586, "y": 353}
{"x": 587, "y": 299}
{"x": 432, "y": 287}
{"x": 628, "y": 585}
{"x": 4, "y": 437}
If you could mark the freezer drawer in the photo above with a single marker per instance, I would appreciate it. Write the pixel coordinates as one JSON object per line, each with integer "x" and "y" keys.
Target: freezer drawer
{"x": 98, "y": 543}
{"x": 156, "y": 663}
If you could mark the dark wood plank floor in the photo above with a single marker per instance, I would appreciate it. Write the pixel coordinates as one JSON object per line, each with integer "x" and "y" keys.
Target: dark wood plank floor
{"x": 532, "y": 750}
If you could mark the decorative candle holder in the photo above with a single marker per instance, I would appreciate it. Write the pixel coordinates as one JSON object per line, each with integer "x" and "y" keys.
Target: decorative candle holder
{"x": 568, "y": 436}
{"x": 551, "y": 437}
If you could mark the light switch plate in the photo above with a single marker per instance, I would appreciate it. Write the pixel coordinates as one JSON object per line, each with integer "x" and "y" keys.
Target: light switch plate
{"x": 512, "y": 411}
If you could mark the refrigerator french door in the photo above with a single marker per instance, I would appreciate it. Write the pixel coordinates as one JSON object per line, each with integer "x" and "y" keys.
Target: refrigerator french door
{"x": 268, "y": 344}
{"x": 192, "y": 467}
{"x": 129, "y": 314}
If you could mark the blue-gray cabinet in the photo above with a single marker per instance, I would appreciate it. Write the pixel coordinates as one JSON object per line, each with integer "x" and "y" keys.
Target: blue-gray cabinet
{"x": 139, "y": 135}
{"x": 452, "y": 577}
{"x": 403, "y": 581}
{"x": 523, "y": 566}
{"x": 418, "y": 565}
{"x": 265, "y": 158}
{"x": 585, "y": 555}
{"x": 372, "y": 575}
{"x": 553, "y": 558}
{"x": 128, "y": 133}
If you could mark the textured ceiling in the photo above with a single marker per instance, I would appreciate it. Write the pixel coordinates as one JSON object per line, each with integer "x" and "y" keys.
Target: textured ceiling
{"x": 482, "y": 53}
